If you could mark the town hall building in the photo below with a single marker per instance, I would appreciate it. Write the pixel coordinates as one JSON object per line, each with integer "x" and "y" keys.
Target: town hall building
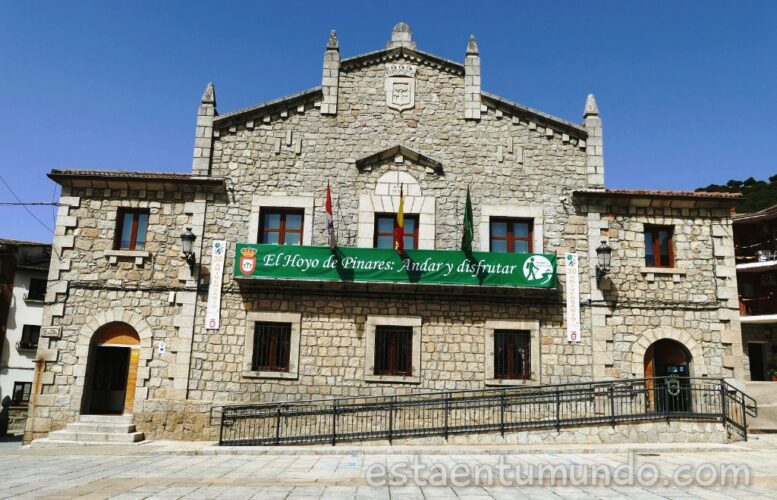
{"x": 170, "y": 294}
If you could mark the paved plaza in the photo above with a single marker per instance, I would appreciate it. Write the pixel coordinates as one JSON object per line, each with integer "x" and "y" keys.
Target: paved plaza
{"x": 195, "y": 470}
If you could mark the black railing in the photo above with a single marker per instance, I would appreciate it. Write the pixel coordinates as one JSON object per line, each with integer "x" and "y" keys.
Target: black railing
{"x": 487, "y": 410}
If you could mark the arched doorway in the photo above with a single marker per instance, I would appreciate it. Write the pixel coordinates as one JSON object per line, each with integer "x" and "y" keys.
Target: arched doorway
{"x": 112, "y": 370}
{"x": 668, "y": 371}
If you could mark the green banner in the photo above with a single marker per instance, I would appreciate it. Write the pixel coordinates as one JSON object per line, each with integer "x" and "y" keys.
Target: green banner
{"x": 441, "y": 267}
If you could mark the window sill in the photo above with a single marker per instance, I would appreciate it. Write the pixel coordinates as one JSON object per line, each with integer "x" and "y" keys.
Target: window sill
{"x": 675, "y": 272}
{"x": 268, "y": 374}
{"x": 138, "y": 255}
{"x": 26, "y": 347}
{"x": 393, "y": 379}
{"x": 509, "y": 382}
{"x": 33, "y": 300}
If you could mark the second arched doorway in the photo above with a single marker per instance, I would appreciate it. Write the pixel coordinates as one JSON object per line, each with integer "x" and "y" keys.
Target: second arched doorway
{"x": 112, "y": 370}
{"x": 668, "y": 366}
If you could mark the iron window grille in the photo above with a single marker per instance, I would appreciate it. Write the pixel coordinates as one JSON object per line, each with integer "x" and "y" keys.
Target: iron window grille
{"x": 512, "y": 354}
{"x": 30, "y": 335}
{"x": 131, "y": 229}
{"x": 659, "y": 246}
{"x": 393, "y": 350}
{"x": 272, "y": 343}
{"x": 282, "y": 226}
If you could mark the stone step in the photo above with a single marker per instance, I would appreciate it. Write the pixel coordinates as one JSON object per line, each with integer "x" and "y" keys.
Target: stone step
{"x": 114, "y": 428}
{"x": 95, "y": 437}
{"x": 105, "y": 419}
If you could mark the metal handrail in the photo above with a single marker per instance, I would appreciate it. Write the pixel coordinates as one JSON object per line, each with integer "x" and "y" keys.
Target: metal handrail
{"x": 479, "y": 410}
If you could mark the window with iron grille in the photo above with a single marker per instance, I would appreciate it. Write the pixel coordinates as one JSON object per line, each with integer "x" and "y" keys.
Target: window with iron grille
{"x": 512, "y": 354}
{"x": 393, "y": 350}
{"x": 37, "y": 290}
{"x": 271, "y": 347}
{"x": 30, "y": 334}
{"x": 659, "y": 249}
{"x": 384, "y": 231}
{"x": 131, "y": 226}
{"x": 511, "y": 235}
{"x": 281, "y": 226}
{"x": 21, "y": 393}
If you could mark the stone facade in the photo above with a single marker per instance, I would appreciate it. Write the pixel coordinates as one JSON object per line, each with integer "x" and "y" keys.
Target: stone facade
{"x": 441, "y": 135}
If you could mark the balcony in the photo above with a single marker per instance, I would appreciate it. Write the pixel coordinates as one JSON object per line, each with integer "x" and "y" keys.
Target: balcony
{"x": 758, "y": 309}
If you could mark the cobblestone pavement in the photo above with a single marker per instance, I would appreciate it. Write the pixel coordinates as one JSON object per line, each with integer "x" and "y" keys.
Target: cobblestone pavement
{"x": 149, "y": 472}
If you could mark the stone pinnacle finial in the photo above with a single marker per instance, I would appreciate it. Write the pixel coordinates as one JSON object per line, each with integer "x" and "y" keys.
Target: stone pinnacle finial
{"x": 591, "y": 109}
{"x": 401, "y": 36}
{"x": 209, "y": 96}
{"x": 472, "y": 45}
{"x": 332, "y": 43}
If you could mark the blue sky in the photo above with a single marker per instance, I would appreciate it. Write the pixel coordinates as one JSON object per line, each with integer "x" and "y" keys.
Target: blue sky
{"x": 687, "y": 90}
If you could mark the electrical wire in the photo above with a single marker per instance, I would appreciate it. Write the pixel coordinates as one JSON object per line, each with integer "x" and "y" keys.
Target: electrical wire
{"x": 25, "y": 206}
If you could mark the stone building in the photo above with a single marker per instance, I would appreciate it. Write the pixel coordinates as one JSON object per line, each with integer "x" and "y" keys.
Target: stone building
{"x": 23, "y": 271}
{"x": 130, "y": 326}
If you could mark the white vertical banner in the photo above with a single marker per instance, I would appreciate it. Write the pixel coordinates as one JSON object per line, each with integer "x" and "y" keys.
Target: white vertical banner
{"x": 217, "y": 258}
{"x": 573, "y": 297}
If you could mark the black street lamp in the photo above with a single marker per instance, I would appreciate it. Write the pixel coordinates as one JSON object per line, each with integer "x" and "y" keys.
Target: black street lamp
{"x": 187, "y": 246}
{"x": 603, "y": 255}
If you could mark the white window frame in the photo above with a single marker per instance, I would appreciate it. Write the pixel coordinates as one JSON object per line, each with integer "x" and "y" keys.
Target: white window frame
{"x": 295, "y": 319}
{"x": 369, "y": 362}
{"x": 533, "y": 326}
{"x": 512, "y": 212}
{"x": 281, "y": 201}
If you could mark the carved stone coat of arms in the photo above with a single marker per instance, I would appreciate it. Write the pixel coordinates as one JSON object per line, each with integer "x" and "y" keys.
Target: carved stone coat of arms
{"x": 400, "y": 86}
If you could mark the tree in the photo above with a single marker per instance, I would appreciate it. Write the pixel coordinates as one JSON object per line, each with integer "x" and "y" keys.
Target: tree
{"x": 756, "y": 195}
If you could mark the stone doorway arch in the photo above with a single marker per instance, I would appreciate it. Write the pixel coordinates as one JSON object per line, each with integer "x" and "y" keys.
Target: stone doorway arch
{"x": 111, "y": 372}
{"x": 667, "y": 370}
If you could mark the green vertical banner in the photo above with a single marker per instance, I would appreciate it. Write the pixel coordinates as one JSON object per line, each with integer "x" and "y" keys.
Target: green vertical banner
{"x": 442, "y": 267}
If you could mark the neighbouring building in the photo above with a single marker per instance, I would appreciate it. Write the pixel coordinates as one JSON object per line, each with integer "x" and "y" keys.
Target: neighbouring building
{"x": 755, "y": 239}
{"x": 23, "y": 273}
{"x": 263, "y": 309}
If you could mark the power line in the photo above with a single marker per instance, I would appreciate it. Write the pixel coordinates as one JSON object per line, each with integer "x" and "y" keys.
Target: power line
{"x": 25, "y": 206}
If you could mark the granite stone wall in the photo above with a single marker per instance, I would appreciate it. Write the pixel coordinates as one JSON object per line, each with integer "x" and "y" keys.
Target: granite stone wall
{"x": 510, "y": 157}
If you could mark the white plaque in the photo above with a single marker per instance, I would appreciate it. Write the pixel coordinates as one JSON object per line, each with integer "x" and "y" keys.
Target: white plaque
{"x": 218, "y": 256}
{"x": 573, "y": 297}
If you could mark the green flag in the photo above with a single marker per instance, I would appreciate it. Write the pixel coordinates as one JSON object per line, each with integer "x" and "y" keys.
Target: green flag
{"x": 469, "y": 231}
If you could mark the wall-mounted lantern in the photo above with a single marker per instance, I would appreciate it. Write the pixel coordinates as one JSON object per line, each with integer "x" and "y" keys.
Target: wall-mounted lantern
{"x": 603, "y": 255}
{"x": 187, "y": 246}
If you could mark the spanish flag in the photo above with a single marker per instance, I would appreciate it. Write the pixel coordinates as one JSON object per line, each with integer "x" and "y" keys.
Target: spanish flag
{"x": 399, "y": 227}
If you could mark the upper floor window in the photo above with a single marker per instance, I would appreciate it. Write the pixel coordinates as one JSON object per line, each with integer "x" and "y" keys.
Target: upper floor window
{"x": 511, "y": 235}
{"x": 659, "y": 249}
{"x": 30, "y": 335}
{"x": 131, "y": 229}
{"x": 272, "y": 342}
{"x": 37, "y": 290}
{"x": 384, "y": 231}
{"x": 281, "y": 226}
{"x": 512, "y": 354}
